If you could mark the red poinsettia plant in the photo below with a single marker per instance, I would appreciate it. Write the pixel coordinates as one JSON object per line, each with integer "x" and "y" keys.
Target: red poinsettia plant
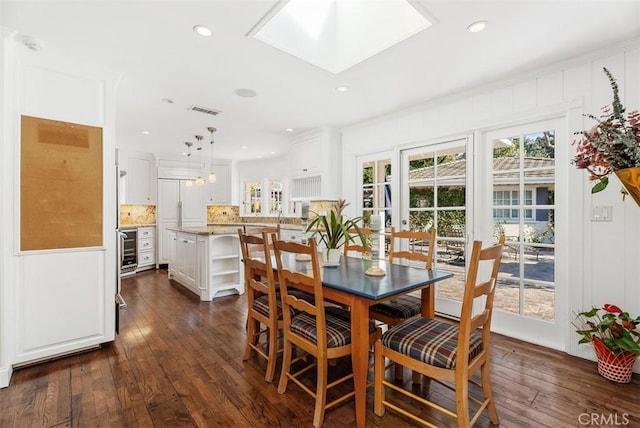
{"x": 612, "y": 144}
{"x": 615, "y": 328}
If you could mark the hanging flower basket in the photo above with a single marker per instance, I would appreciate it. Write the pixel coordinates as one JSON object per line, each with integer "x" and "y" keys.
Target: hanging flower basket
{"x": 617, "y": 368}
{"x": 630, "y": 179}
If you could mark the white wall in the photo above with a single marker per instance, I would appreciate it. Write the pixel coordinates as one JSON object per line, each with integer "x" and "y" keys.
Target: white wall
{"x": 602, "y": 257}
{"x": 53, "y": 301}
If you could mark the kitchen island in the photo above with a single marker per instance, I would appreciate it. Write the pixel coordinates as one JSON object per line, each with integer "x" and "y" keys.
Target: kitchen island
{"x": 206, "y": 260}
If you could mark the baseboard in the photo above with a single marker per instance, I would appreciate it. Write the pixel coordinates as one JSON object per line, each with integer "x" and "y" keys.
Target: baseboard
{"x": 5, "y": 376}
{"x": 57, "y": 356}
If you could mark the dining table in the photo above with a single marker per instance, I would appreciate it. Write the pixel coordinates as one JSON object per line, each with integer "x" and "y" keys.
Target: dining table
{"x": 348, "y": 284}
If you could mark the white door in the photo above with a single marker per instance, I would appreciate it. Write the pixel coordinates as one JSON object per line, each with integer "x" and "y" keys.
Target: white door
{"x": 523, "y": 188}
{"x": 435, "y": 193}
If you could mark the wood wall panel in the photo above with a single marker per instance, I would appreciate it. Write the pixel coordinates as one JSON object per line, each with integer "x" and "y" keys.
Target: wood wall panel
{"x": 60, "y": 185}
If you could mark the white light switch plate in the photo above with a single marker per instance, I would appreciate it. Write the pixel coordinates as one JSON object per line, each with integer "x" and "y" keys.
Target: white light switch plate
{"x": 602, "y": 213}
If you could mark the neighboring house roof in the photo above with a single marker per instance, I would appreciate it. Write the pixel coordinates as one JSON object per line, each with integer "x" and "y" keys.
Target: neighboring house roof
{"x": 457, "y": 168}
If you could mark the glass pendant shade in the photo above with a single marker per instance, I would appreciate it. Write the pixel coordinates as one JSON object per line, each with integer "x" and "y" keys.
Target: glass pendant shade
{"x": 199, "y": 181}
{"x": 189, "y": 183}
{"x": 212, "y": 177}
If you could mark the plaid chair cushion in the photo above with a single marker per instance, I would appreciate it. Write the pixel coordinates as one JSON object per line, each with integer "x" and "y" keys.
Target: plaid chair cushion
{"x": 261, "y": 304}
{"x": 430, "y": 341}
{"x": 338, "y": 326}
{"x": 402, "y": 307}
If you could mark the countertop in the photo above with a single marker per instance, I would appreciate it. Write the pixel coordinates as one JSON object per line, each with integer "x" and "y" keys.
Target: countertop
{"x": 227, "y": 228}
{"x": 238, "y": 225}
{"x": 206, "y": 230}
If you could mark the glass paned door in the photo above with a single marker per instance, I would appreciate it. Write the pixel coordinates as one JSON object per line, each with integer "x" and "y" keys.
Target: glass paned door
{"x": 523, "y": 210}
{"x": 376, "y": 192}
{"x": 435, "y": 195}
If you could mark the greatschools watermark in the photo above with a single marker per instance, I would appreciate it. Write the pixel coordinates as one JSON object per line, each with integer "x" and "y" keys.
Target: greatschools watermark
{"x": 604, "y": 419}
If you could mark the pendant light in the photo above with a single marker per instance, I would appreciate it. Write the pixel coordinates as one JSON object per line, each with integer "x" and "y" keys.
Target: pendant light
{"x": 188, "y": 183}
{"x": 212, "y": 175}
{"x": 199, "y": 180}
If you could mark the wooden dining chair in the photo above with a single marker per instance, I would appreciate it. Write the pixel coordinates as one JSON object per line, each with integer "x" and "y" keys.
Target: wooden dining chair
{"x": 319, "y": 330}
{"x": 445, "y": 351}
{"x": 357, "y": 245}
{"x": 263, "y": 302}
{"x": 397, "y": 310}
{"x": 257, "y": 231}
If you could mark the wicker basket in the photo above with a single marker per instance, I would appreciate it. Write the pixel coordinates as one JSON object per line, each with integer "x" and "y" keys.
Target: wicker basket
{"x": 617, "y": 368}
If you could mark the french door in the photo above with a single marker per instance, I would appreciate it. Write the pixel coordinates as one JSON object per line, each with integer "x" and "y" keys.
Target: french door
{"x": 504, "y": 182}
{"x": 435, "y": 193}
{"x": 527, "y": 208}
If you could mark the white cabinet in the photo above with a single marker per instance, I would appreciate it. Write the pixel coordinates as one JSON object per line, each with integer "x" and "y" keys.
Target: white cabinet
{"x": 146, "y": 248}
{"x": 171, "y": 251}
{"x": 208, "y": 265}
{"x": 185, "y": 261}
{"x": 220, "y": 191}
{"x": 315, "y": 165}
{"x": 306, "y": 154}
{"x": 178, "y": 206}
{"x": 138, "y": 181}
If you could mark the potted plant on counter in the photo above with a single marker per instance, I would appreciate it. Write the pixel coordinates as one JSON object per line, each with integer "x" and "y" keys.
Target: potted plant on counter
{"x": 334, "y": 230}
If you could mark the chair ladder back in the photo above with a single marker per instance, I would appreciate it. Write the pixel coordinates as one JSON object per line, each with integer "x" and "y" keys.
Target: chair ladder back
{"x": 259, "y": 231}
{"x": 299, "y": 282}
{"x": 413, "y": 237}
{"x": 469, "y": 322}
{"x": 256, "y": 267}
{"x": 309, "y": 281}
{"x": 258, "y": 286}
{"x": 360, "y": 248}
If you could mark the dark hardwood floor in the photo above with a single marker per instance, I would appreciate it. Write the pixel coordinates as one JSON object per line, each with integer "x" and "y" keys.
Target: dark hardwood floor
{"x": 177, "y": 362}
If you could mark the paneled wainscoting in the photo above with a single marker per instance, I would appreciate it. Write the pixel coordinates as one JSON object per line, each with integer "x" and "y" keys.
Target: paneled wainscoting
{"x": 177, "y": 362}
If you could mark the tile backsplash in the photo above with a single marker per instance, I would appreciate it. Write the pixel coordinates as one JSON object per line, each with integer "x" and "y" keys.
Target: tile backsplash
{"x": 134, "y": 215}
{"x": 217, "y": 214}
{"x": 223, "y": 214}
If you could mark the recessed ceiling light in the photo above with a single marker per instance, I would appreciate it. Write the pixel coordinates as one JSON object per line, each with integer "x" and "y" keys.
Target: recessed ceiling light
{"x": 259, "y": 156}
{"x": 342, "y": 88}
{"x": 243, "y": 147}
{"x": 245, "y": 93}
{"x": 289, "y": 129}
{"x": 202, "y": 30}
{"x": 145, "y": 132}
{"x": 477, "y": 26}
{"x": 167, "y": 100}
{"x": 273, "y": 153}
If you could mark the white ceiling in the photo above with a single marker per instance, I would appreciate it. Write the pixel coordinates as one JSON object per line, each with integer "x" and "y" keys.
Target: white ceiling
{"x": 152, "y": 45}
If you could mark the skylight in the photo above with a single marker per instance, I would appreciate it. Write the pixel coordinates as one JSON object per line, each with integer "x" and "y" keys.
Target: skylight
{"x": 338, "y": 34}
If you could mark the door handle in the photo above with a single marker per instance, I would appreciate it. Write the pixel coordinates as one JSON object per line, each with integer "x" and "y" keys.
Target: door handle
{"x": 404, "y": 222}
